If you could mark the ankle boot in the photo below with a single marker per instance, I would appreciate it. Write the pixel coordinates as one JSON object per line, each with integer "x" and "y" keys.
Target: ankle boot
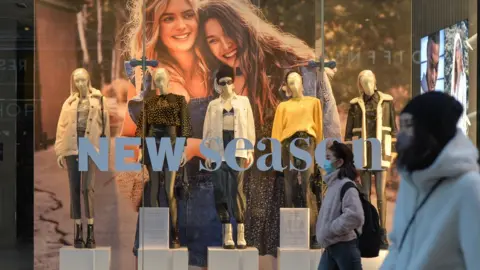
{"x": 227, "y": 237}
{"x": 384, "y": 244}
{"x": 241, "y": 243}
{"x": 313, "y": 243}
{"x": 175, "y": 238}
{"x": 78, "y": 233}
{"x": 90, "y": 237}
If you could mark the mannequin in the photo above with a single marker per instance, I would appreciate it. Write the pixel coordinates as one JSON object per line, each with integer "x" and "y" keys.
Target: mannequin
{"x": 166, "y": 115}
{"x": 299, "y": 117}
{"x": 84, "y": 114}
{"x": 229, "y": 117}
{"x": 372, "y": 115}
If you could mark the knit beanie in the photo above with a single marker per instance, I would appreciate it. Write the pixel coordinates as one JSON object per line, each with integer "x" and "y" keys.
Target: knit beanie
{"x": 225, "y": 71}
{"x": 437, "y": 113}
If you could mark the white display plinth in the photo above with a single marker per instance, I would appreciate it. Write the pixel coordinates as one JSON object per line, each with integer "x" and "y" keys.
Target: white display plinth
{"x": 84, "y": 259}
{"x": 295, "y": 228}
{"x": 374, "y": 263}
{"x": 154, "y": 227}
{"x": 232, "y": 259}
{"x": 163, "y": 259}
{"x": 298, "y": 259}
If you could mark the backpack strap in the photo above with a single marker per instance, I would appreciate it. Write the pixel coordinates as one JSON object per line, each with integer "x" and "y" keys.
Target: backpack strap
{"x": 410, "y": 222}
{"x": 344, "y": 190}
{"x": 346, "y": 187}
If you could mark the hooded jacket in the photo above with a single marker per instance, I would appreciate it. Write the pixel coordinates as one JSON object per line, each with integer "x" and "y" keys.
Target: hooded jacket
{"x": 66, "y": 142}
{"x": 446, "y": 231}
{"x": 338, "y": 219}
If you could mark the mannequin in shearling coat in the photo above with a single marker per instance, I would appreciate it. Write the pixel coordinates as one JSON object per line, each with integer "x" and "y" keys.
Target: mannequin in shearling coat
{"x": 84, "y": 114}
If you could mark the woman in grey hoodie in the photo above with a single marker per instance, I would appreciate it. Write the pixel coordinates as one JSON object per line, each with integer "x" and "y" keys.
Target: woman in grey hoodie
{"x": 338, "y": 219}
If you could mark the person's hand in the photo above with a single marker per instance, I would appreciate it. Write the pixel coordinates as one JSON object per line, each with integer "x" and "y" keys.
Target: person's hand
{"x": 60, "y": 162}
{"x": 183, "y": 160}
{"x": 208, "y": 163}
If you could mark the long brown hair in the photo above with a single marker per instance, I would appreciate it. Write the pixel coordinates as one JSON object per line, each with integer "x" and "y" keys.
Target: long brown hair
{"x": 264, "y": 50}
{"x": 155, "y": 49}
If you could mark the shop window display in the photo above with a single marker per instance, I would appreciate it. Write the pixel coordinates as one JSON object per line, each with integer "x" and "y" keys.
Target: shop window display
{"x": 277, "y": 54}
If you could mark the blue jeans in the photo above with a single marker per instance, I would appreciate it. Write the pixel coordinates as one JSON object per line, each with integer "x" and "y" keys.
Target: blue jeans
{"x": 198, "y": 223}
{"x": 341, "y": 256}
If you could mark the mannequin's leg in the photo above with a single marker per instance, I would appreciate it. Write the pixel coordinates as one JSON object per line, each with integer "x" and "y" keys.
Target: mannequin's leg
{"x": 151, "y": 195}
{"x": 240, "y": 203}
{"x": 380, "y": 184}
{"x": 219, "y": 179}
{"x": 306, "y": 177}
{"x": 74, "y": 177}
{"x": 172, "y": 204}
{"x": 88, "y": 189}
{"x": 366, "y": 180}
{"x": 290, "y": 179}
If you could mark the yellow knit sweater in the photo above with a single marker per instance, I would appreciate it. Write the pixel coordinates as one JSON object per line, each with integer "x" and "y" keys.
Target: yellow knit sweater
{"x": 298, "y": 114}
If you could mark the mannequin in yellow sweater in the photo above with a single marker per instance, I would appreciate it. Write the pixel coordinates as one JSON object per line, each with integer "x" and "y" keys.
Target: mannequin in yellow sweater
{"x": 298, "y": 118}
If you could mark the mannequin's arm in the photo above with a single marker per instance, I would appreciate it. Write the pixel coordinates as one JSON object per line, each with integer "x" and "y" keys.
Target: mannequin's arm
{"x": 251, "y": 125}
{"x": 206, "y": 127}
{"x": 277, "y": 124}
{"x": 349, "y": 127}
{"x": 393, "y": 124}
{"x": 61, "y": 127}
{"x": 331, "y": 118}
{"x": 185, "y": 118}
{"x": 318, "y": 122}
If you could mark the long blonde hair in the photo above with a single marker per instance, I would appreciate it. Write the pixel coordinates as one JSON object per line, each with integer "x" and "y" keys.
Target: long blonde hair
{"x": 154, "y": 47}
{"x": 264, "y": 50}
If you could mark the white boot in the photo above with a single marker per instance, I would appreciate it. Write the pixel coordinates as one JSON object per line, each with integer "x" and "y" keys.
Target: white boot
{"x": 227, "y": 237}
{"x": 241, "y": 243}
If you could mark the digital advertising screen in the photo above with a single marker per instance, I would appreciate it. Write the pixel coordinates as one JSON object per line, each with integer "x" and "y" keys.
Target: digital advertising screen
{"x": 432, "y": 66}
{"x": 444, "y": 65}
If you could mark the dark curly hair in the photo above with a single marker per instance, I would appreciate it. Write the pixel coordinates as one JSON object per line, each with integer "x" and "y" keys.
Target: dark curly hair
{"x": 342, "y": 151}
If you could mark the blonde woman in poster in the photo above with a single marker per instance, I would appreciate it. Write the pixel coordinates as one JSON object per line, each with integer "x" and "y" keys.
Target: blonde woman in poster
{"x": 459, "y": 82}
{"x": 171, "y": 40}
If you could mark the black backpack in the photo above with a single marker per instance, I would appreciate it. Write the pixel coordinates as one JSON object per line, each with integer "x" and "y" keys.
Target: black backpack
{"x": 371, "y": 238}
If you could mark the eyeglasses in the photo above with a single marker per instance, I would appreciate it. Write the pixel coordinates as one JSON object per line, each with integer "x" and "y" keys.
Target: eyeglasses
{"x": 223, "y": 83}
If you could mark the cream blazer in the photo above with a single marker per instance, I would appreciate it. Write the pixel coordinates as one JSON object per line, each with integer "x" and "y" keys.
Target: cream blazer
{"x": 66, "y": 143}
{"x": 244, "y": 125}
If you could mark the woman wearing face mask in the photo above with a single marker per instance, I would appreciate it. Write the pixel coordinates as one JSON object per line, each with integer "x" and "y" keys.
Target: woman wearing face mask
{"x": 233, "y": 33}
{"x": 436, "y": 218}
{"x": 339, "y": 218}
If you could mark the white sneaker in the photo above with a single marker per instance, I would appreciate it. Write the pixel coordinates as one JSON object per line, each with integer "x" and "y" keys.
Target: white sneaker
{"x": 241, "y": 243}
{"x": 227, "y": 237}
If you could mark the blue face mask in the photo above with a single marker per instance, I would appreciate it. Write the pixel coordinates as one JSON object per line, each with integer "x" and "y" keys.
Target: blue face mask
{"x": 328, "y": 167}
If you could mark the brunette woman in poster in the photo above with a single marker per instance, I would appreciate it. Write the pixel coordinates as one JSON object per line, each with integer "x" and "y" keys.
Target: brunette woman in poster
{"x": 233, "y": 32}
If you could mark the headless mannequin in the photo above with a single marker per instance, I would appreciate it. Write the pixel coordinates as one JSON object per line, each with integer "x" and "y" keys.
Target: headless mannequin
{"x": 368, "y": 86}
{"x": 293, "y": 178}
{"x": 222, "y": 181}
{"x": 161, "y": 80}
{"x": 80, "y": 182}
